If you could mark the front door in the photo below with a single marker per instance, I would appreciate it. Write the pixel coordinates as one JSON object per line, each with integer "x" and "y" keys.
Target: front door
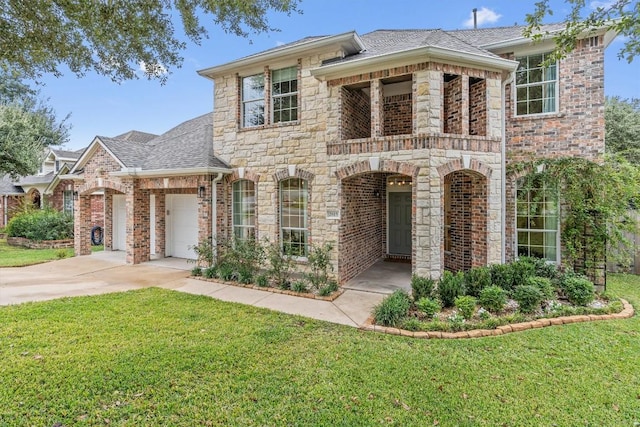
{"x": 400, "y": 223}
{"x": 119, "y": 223}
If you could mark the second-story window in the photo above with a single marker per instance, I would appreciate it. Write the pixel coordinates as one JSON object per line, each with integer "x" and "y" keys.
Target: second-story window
{"x": 253, "y": 100}
{"x": 536, "y": 85}
{"x": 284, "y": 94}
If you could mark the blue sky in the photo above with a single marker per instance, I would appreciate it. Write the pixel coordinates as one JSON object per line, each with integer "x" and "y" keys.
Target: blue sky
{"x": 100, "y": 107}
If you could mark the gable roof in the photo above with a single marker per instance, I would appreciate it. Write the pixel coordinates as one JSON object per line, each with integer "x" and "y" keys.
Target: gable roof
{"x": 137, "y": 136}
{"x": 188, "y": 146}
{"x": 66, "y": 154}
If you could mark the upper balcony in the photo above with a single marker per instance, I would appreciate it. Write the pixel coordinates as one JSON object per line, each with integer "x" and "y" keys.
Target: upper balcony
{"x": 411, "y": 112}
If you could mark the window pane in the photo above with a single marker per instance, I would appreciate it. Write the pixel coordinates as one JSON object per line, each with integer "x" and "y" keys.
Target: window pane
{"x": 537, "y": 222}
{"x": 535, "y": 86}
{"x": 284, "y": 93}
{"x": 293, "y": 216}
{"x": 253, "y": 113}
{"x": 244, "y": 205}
{"x": 253, "y": 87}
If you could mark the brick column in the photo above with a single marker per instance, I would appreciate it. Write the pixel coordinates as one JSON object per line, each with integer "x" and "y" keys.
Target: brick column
{"x": 82, "y": 225}
{"x": 376, "y": 109}
{"x": 138, "y": 226}
{"x": 204, "y": 212}
{"x": 161, "y": 216}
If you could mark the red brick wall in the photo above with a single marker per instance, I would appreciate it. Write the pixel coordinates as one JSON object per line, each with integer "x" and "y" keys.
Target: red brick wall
{"x": 577, "y": 129}
{"x": 362, "y": 231}
{"x": 477, "y": 107}
{"x": 56, "y": 198}
{"x": 97, "y": 209}
{"x": 12, "y": 202}
{"x": 356, "y": 114}
{"x": 452, "y": 104}
{"x": 466, "y": 203}
{"x": 398, "y": 115}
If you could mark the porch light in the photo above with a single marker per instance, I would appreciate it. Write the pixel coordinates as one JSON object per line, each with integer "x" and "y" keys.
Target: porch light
{"x": 376, "y": 193}
{"x": 75, "y": 195}
{"x": 201, "y": 190}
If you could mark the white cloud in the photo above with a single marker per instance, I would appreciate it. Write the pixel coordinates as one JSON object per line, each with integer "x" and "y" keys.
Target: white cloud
{"x": 279, "y": 43}
{"x": 152, "y": 69}
{"x": 484, "y": 16}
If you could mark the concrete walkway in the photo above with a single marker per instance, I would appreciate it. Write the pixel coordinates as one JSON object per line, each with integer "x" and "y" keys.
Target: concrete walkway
{"x": 105, "y": 272}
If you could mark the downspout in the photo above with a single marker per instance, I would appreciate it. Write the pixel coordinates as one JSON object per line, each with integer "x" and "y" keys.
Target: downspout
{"x": 214, "y": 209}
{"x": 503, "y": 153}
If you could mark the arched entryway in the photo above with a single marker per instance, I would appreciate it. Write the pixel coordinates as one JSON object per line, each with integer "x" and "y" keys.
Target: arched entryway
{"x": 36, "y": 198}
{"x": 465, "y": 220}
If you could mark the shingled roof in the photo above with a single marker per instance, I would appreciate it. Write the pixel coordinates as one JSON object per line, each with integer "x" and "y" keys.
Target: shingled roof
{"x": 8, "y": 187}
{"x": 186, "y": 146}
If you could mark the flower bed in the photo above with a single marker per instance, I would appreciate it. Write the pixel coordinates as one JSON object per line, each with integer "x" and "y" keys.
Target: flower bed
{"x": 491, "y": 300}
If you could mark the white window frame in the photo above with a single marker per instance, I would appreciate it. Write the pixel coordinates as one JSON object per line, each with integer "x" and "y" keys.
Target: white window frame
{"x": 245, "y": 102}
{"x": 555, "y": 81}
{"x": 67, "y": 200}
{"x": 303, "y": 187}
{"x": 243, "y": 231}
{"x": 291, "y": 94}
{"x": 549, "y": 194}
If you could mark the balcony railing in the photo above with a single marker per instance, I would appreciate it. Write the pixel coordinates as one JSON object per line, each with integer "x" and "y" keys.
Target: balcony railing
{"x": 423, "y": 141}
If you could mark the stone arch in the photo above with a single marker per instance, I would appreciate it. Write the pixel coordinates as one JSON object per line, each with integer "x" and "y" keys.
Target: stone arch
{"x": 90, "y": 187}
{"x": 241, "y": 173}
{"x": 458, "y": 164}
{"x": 384, "y": 166}
{"x": 283, "y": 174}
{"x": 36, "y": 197}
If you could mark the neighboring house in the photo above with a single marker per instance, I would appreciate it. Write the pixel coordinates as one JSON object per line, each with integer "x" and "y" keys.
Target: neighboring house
{"x": 42, "y": 189}
{"x": 393, "y": 144}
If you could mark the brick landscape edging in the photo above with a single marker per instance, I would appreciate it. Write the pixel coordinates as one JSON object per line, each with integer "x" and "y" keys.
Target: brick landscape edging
{"x": 43, "y": 244}
{"x": 309, "y": 295}
{"x": 627, "y": 312}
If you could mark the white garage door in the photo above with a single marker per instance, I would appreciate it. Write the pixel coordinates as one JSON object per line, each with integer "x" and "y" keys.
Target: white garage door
{"x": 182, "y": 225}
{"x": 119, "y": 223}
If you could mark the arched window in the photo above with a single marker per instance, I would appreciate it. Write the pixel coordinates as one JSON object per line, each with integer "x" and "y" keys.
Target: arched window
{"x": 244, "y": 209}
{"x": 294, "y": 232}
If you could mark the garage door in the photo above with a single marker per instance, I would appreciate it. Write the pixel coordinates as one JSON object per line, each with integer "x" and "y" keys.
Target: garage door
{"x": 182, "y": 225}
{"x": 119, "y": 223}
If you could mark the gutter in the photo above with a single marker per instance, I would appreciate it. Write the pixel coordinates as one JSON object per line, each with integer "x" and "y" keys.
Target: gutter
{"x": 159, "y": 173}
{"x": 503, "y": 153}
{"x": 425, "y": 53}
{"x": 214, "y": 210}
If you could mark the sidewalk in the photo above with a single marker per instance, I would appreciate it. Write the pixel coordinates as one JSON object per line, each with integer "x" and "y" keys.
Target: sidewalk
{"x": 105, "y": 272}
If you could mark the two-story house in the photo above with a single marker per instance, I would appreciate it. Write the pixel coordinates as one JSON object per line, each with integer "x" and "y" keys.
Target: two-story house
{"x": 391, "y": 145}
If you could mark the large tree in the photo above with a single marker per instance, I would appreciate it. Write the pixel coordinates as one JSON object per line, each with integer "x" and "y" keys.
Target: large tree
{"x": 27, "y": 126}
{"x": 622, "y": 16}
{"x": 114, "y": 38}
{"x": 622, "y": 125}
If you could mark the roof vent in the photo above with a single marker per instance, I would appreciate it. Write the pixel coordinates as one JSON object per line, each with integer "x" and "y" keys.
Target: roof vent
{"x": 475, "y": 18}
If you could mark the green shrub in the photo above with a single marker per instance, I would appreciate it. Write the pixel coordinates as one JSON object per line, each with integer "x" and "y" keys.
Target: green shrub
{"x": 493, "y": 298}
{"x": 393, "y": 309}
{"x": 542, "y": 267}
{"x": 204, "y": 253}
{"x": 456, "y": 322}
{"x": 421, "y": 287}
{"x": 319, "y": 261}
{"x": 61, "y": 253}
{"x": 466, "y": 305}
{"x": 528, "y": 297}
{"x": 209, "y": 272}
{"x": 521, "y": 270}
{"x": 450, "y": 286}
{"x": 476, "y": 280}
{"x": 41, "y": 224}
{"x": 262, "y": 280}
{"x": 544, "y": 284}
{"x": 196, "y": 271}
{"x": 330, "y": 287}
{"x": 502, "y": 276}
{"x": 299, "y": 286}
{"x": 280, "y": 265}
{"x": 412, "y": 324}
{"x": 226, "y": 272}
{"x": 579, "y": 290}
{"x": 428, "y": 306}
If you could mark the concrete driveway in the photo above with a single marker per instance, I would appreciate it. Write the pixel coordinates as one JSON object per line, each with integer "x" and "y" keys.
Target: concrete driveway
{"x": 105, "y": 272}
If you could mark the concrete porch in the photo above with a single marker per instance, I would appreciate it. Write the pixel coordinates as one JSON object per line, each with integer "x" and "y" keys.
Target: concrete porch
{"x": 383, "y": 277}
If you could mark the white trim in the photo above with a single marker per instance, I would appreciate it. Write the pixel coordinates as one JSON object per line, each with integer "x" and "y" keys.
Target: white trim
{"x": 84, "y": 158}
{"x": 424, "y": 54}
{"x": 158, "y": 173}
{"x": 349, "y": 41}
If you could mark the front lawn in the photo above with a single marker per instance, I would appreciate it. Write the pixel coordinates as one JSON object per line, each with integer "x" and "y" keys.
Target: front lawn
{"x": 157, "y": 357}
{"x": 17, "y": 256}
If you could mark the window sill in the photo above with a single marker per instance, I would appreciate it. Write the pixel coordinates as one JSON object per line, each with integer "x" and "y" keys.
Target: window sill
{"x": 269, "y": 126}
{"x": 539, "y": 116}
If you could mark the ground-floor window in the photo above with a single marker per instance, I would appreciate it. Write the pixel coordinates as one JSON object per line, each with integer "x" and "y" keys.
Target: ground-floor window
{"x": 67, "y": 202}
{"x": 537, "y": 221}
{"x": 244, "y": 209}
{"x": 294, "y": 232}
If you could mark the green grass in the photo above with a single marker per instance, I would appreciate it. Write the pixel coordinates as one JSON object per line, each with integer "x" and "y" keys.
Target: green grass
{"x": 17, "y": 256}
{"x": 157, "y": 357}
